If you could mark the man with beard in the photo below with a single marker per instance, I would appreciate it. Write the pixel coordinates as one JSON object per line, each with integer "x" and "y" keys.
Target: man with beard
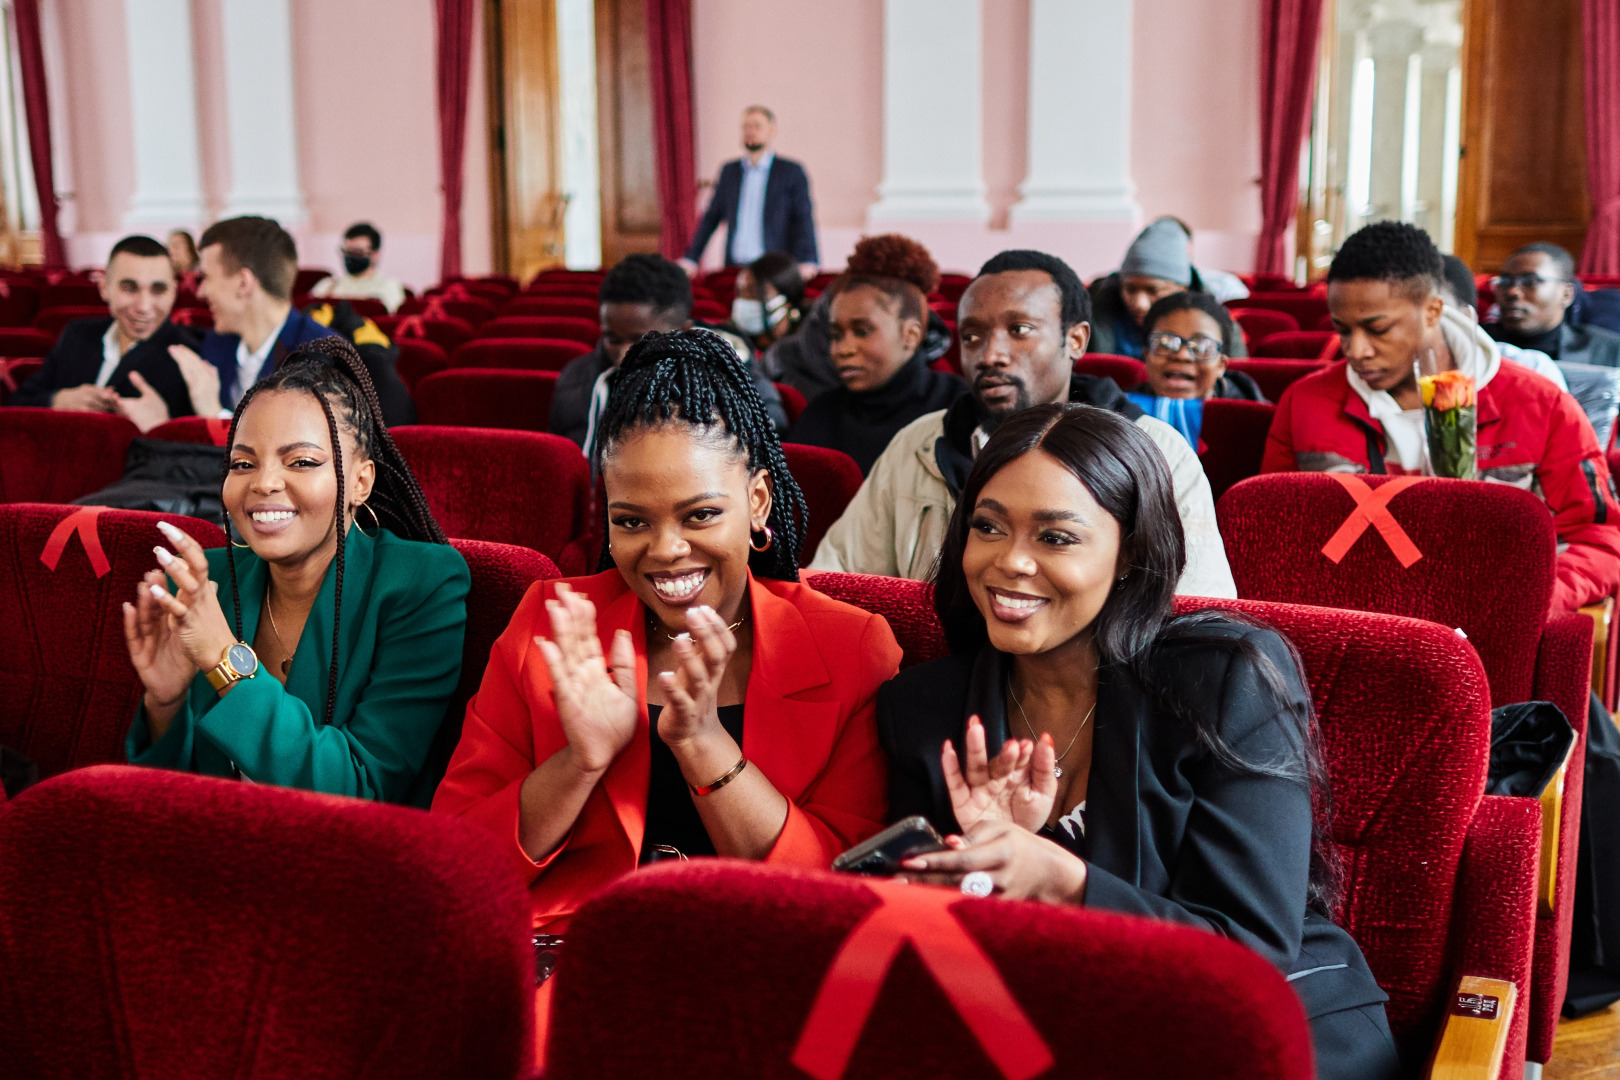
{"x": 1023, "y": 321}
{"x": 1534, "y": 292}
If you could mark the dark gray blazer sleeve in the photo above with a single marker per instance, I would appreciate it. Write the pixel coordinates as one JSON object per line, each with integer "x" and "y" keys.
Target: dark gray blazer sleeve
{"x": 801, "y": 229}
{"x": 1244, "y": 862}
{"x": 716, "y": 212}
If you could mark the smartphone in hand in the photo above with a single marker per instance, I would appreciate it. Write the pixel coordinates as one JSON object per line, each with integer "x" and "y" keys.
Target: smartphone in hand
{"x": 881, "y": 855}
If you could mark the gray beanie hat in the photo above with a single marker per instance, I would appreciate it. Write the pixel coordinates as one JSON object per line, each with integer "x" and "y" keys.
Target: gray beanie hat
{"x": 1159, "y": 251}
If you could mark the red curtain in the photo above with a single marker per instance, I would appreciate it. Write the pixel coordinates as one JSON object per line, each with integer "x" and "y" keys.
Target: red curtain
{"x": 1289, "y": 33}
{"x": 1601, "y": 254}
{"x": 669, "y": 48}
{"x": 37, "y": 110}
{"x": 455, "y": 67}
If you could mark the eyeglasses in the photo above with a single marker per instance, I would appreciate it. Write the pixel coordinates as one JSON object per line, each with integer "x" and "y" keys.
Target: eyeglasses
{"x": 1527, "y": 282}
{"x": 1205, "y": 350}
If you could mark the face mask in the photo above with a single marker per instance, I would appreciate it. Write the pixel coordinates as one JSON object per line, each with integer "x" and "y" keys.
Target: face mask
{"x": 753, "y": 317}
{"x": 356, "y": 265}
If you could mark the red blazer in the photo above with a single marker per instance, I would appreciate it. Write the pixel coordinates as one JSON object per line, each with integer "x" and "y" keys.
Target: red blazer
{"x": 809, "y": 727}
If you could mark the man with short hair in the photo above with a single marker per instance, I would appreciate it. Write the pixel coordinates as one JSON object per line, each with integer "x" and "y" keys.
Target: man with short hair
{"x": 248, "y": 266}
{"x": 1157, "y": 264}
{"x": 120, "y": 362}
{"x": 361, "y": 280}
{"x": 1534, "y": 292}
{"x": 1364, "y": 414}
{"x": 641, "y": 295}
{"x": 1457, "y": 289}
{"x": 764, "y": 201}
{"x": 1023, "y": 321}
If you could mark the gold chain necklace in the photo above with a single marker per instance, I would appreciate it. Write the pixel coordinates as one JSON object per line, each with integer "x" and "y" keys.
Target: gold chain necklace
{"x": 672, "y": 637}
{"x": 270, "y": 610}
{"x": 1057, "y": 770}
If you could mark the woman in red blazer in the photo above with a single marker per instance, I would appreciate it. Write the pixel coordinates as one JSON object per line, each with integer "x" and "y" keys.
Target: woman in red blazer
{"x": 694, "y": 698}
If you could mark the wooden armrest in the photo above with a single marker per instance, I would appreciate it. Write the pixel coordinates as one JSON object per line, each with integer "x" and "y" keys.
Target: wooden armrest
{"x": 1475, "y": 1032}
{"x": 1602, "y": 616}
{"x": 1552, "y": 813}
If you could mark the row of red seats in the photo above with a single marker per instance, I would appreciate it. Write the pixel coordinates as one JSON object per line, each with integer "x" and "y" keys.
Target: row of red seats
{"x": 1442, "y": 880}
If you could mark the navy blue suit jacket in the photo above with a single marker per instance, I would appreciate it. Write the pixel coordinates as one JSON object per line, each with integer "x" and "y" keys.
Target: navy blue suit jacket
{"x": 220, "y": 349}
{"x": 789, "y": 218}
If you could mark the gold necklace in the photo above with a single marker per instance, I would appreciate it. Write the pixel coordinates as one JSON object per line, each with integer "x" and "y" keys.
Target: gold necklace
{"x": 672, "y": 637}
{"x": 270, "y": 610}
{"x": 1057, "y": 770}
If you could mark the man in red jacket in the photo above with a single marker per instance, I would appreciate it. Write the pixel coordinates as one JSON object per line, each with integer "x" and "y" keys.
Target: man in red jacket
{"x": 1365, "y": 415}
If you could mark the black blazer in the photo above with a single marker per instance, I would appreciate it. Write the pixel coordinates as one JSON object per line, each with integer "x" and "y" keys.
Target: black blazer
{"x": 789, "y": 219}
{"x": 76, "y": 360}
{"x": 1170, "y": 833}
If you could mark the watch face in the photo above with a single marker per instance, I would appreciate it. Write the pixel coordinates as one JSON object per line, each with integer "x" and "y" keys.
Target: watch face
{"x": 243, "y": 660}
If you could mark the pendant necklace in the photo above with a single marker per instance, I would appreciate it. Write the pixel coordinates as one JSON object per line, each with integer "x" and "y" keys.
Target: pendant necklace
{"x": 286, "y": 665}
{"x": 674, "y": 637}
{"x": 1057, "y": 770}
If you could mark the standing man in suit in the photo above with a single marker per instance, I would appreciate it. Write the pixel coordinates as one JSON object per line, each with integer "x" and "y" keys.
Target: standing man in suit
{"x": 120, "y": 362}
{"x": 764, "y": 201}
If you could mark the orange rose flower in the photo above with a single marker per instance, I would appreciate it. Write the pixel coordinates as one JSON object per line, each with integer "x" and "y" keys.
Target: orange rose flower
{"x": 1448, "y": 390}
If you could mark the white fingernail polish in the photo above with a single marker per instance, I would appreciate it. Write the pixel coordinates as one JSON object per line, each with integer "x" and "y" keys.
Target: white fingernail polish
{"x": 167, "y": 529}
{"x": 163, "y": 555}
{"x": 158, "y": 592}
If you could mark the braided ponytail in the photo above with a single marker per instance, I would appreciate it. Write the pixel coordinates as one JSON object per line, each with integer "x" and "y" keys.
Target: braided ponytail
{"x": 694, "y": 376}
{"x": 330, "y": 370}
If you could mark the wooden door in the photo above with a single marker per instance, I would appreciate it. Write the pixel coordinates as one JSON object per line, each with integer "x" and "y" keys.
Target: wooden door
{"x": 1523, "y": 174}
{"x": 624, "y": 114}
{"x": 527, "y": 204}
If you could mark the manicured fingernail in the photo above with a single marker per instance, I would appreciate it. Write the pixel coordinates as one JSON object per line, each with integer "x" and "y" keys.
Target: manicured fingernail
{"x": 158, "y": 591}
{"x": 163, "y": 555}
{"x": 915, "y": 864}
{"x": 169, "y": 530}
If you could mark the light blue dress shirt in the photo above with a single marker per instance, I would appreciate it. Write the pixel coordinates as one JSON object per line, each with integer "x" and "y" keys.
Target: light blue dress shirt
{"x": 749, "y": 243}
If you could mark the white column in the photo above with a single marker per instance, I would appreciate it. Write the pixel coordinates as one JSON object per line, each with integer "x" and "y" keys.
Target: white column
{"x": 932, "y": 113}
{"x": 1392, "y": 45}
{"x": 1079, "y": 113}
{"x": 576, "y": 66}
{"x": 259, "y": 109}
{"x": 163, "y": 105}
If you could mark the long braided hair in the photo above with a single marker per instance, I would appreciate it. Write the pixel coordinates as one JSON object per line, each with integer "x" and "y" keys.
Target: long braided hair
{"x": 695, "y": 377}
{"x": 331, "y": 371}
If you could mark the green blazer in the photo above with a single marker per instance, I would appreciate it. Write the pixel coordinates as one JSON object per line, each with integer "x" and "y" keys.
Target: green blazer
{"x": 404, "y": 615}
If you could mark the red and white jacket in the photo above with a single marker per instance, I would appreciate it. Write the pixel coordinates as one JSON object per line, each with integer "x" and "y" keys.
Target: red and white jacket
{"x": 1530, "y": 434}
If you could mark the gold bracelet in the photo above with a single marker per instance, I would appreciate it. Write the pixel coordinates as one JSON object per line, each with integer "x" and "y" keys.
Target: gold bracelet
{"x": 710, "y": 789}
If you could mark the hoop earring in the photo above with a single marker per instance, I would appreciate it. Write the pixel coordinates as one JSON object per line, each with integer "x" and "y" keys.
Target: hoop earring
{"x": 375, "y": 524}
{"x": 770, "y": 539}
{"x": 231, "y": 532}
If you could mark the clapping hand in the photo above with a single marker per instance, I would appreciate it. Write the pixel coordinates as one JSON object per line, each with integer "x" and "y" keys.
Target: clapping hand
{"x": 1017, "y": 785}
{"x": 692, "y": 690}
{"x": 172, "y": 637}
{"x": 596, "y": 703}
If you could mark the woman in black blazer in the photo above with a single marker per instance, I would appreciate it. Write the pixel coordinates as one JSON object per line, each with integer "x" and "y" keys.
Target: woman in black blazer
{"x": 1082, "y": 745}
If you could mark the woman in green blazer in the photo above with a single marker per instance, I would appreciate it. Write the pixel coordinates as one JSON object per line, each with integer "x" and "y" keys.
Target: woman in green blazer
{"x": 343, "y": 647}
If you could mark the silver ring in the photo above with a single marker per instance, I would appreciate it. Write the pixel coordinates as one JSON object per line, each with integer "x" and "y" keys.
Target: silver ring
{"x": 978, "y": 883}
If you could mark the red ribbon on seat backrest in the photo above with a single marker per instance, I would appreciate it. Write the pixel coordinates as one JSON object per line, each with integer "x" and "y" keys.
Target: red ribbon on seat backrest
{"x": 411, "y": 326}
{"x": 453, "y": 291}
{"x": 919, "y": 915}
{"x": 1372, "y": 508}
{"x": 7, "y": 379}
{"x": 218, "y": 429}
{"x": 435, "y": 309}
{"x": 82, "y": 521}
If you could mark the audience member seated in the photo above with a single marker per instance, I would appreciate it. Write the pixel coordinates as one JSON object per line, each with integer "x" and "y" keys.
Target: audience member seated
{"x": 642, "y": 294}
{"x": 183, "y": 253}
{"x": 361, "y": 280}
{"x": 1025, "y": 320}
{"x": 248, "y": 266}
{"x": 583, "y": 766}
{"x": 1459, "y": 290}
{"x": 121, "y": 363}
{"x": 322, "y": 656}
{"x": 1054, "y": 587}
{"x": 1365, "y": 414}
{"x": 764, "y": 202}
{"x": 1157, "y": 264}
{"x": 882, "y": 343}
{"x": 1185, "y": 366}
{"x": 769, "y": 304}
{"x": 1534, "y": 292}
{"x": 1223, "y": 286}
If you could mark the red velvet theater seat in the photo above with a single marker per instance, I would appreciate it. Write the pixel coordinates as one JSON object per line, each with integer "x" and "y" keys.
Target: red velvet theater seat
{"x": 1493, "y": 582}
{"x": 1234, "y": 438}
{"x": 1440, "y": 880}
{"x": 829, "y": 479}
{"x": 445, "y": 332}
{"x": 1122, "y": 369}
{"x": 306, "y": 278}
{"x": 51, "y": 320}
{"x": 157, "y": 925}
{"x": 575, "y": 290}
{"x": 510, "y": 487}
{"x": 793, "y": 402}
{"x": 19, "y": 303}
{"x": 1274, "y": 376}
{"x": 1260, "y": 323}
{"x": 67, "y": 691}
{"x": 472, "y": 309}
{"x": 1091, "y": 994}
{"x": 417, "y": 360}
{"x": 1299, "y": 345}
{"x": 525, "y": 354}
{"x": 14, "y": 372}
{"x": 50, "y": 456}
{"x": 569, "y": 328}
{"x": 205, "y": 431}
{"x": 544, "y": 304}
{"x": 1305, "y": 307}
{"x": 486, "y": 398}
{"x": 71, "y": 294}
{"x": 24, "y": 341}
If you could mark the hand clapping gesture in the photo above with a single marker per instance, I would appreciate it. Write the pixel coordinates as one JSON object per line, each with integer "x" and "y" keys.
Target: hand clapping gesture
{"x": 692, "y": 690}
{"x": 596, "y": 704}
{"x": 1016, "y": 786}
{"x": 173, "y": 637}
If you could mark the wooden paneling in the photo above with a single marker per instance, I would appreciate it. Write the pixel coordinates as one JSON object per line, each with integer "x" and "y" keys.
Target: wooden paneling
{"x": 1523, "y": 175}
{"x": 625, "y": 131}
{"x": 527, "y": 204}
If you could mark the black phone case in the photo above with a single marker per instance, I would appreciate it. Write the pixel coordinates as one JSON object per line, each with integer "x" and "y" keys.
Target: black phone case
{"x": 881, "y": 855}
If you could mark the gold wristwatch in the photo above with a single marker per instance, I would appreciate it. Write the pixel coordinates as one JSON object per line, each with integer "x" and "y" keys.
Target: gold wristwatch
{"x": 239, "y": 662}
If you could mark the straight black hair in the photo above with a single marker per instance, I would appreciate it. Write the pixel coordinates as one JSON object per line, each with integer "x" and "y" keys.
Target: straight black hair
{"x": 1126, "y": 474}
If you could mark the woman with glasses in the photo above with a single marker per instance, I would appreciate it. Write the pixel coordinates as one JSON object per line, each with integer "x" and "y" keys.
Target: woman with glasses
{"x": 1185, "y": 362}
